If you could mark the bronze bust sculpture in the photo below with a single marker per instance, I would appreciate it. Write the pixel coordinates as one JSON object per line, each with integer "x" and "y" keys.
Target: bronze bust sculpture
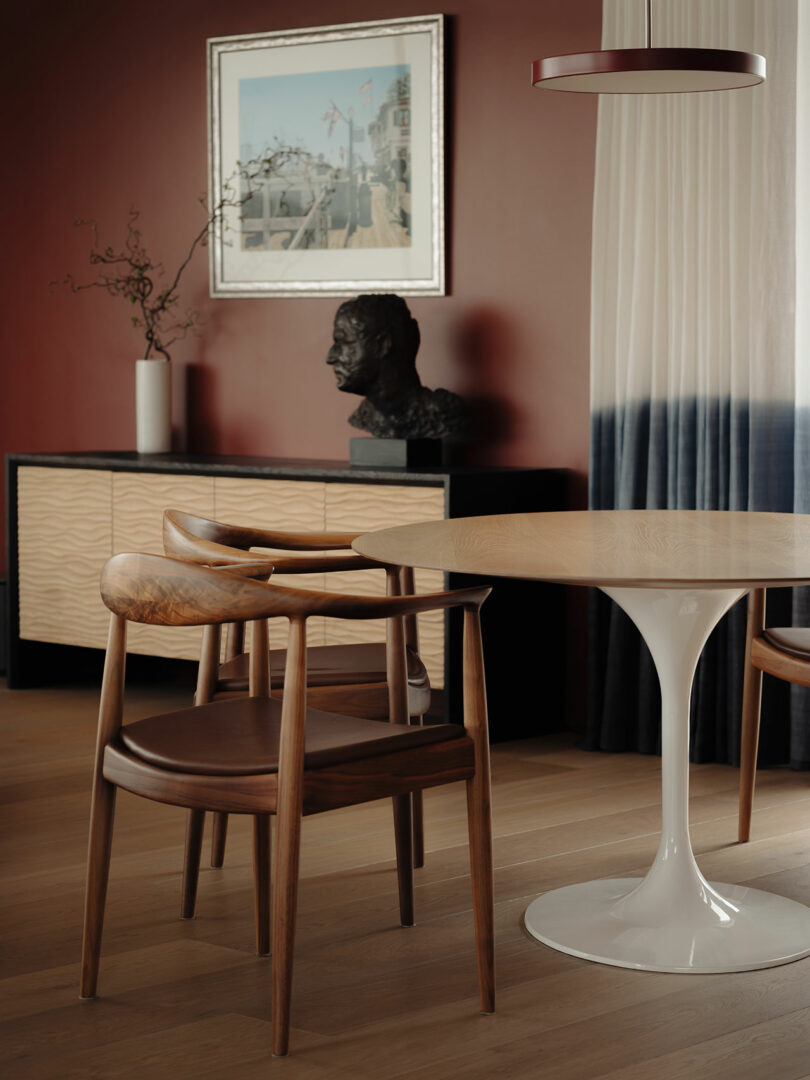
{"x": 374, "y": 354}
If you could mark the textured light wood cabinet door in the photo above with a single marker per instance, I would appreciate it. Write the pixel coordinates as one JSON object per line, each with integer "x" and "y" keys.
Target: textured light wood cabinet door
{"x": 289, "y": 505}
{"x": 100, "y": 513}
{"x": 138, "y": 502}
{"x": 361, "y": 508}
{"x": 65, "y": 537}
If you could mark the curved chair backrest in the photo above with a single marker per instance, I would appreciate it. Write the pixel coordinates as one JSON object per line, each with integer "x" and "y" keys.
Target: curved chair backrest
{"x": 783, "y": 652}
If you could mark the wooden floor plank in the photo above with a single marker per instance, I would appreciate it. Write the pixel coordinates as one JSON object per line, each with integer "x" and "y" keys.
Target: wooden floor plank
{"x": 747, "y": 1055}
{"x": 37, "y": 991}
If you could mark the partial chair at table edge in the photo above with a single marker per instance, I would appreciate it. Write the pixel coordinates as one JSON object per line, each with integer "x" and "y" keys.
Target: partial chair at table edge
{"x": 783, "y": 652}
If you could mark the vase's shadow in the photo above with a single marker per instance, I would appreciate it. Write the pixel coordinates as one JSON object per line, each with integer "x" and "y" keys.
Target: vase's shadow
{"x": 202, "y": 422}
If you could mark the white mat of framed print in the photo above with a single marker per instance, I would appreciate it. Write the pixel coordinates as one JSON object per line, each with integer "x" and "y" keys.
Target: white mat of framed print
{"x": 359, "y": 205}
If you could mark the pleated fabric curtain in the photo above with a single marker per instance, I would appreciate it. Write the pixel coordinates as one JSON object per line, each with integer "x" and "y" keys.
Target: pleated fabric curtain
{"x": 700, "y": 392}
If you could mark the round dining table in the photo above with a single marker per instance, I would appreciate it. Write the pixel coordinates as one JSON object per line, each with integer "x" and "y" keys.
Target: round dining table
{"x": 675, "y": 573}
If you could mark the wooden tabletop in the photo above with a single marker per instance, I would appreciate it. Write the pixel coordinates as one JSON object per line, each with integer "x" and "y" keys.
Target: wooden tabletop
{"x": 653, "y": 548}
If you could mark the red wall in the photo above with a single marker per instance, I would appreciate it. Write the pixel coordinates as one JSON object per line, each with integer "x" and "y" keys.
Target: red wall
{"x": 105, "y": 107}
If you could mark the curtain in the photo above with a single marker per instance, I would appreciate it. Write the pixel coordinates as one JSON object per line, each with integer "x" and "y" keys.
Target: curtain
{"x": 700, "y": 391}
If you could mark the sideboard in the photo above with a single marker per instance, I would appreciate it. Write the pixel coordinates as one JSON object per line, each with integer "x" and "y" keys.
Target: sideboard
{"x": 67, "y": 513}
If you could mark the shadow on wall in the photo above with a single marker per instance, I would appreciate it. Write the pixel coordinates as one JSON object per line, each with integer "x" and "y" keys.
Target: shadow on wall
{"x": 202, "y": 434}
{"x": 485, "y": 348}
{"x": 205, "y": 432}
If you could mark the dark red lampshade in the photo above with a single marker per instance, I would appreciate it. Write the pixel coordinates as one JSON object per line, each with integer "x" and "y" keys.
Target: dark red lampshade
{"x": 649, "y": 71}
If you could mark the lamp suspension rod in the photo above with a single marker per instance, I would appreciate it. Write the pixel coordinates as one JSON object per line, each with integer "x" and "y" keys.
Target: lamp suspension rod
{"x": 648, "y": 24}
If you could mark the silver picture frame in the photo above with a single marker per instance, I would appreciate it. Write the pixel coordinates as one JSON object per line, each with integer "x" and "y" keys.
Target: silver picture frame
{"x": 352, "y": 119}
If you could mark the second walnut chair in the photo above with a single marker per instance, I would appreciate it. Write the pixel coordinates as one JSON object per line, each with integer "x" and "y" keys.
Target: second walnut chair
{"x": 349, "y": 679}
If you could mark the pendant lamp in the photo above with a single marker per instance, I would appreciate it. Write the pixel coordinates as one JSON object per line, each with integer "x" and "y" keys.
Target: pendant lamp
{"x": 649, "y": 70}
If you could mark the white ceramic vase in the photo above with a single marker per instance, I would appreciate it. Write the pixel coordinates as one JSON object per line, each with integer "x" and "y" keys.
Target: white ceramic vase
{"x": 153, "y": 406}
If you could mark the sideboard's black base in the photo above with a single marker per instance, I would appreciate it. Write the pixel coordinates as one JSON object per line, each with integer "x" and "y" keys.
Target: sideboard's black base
{"x": 42, "y": 663}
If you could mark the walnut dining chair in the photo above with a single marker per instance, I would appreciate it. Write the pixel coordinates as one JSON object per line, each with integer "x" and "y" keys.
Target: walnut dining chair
{"x": 348, "y": 678}
{"x": 260, "y": 756}
{"x": 783, "y": 652}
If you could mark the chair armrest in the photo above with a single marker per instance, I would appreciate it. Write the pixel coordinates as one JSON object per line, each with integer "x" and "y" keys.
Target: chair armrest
{"x": 260, "y": 570}
{"x": 172, "y": 592}
{"x": 189, "y": 535}
{"x": 310, "y": 564}
{"x": 287, "y": 541}
{"x": 306, "y": 602}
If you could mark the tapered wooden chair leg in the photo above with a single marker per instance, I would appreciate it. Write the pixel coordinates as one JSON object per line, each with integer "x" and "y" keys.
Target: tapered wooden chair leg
{"x": 206, "y": 688}
{"x": 218, "y": 838}
{"x": 481, "y": 872}
{"x": 286, "y": 898}
{"x": 479, "y": 816}
{"x": 98, "y": 872}
{"x": 749, "y": 743}
{"x": 261, "y": 882}
{"x": 191, "y": 866}
{"x": 403, "y": 837}
{"x": 288, "y": 834}
{"x": 396, "y": 674}
{"x": 418, "y": 819}
{"x": 288, "y": 841}
{"x": 749, "y": 731}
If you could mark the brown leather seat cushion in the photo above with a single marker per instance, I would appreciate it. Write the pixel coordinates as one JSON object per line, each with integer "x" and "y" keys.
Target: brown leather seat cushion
{"x": 241, "y": 737}
{"x": 793, "y": 640}
{"x": 327, "y": 665}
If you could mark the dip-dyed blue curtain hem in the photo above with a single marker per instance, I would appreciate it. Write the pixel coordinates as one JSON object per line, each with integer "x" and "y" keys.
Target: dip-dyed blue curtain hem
{"x": 697, "y": 454}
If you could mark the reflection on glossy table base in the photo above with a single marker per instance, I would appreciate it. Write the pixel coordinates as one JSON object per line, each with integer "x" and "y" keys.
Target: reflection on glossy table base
{"x": 743, "y": 929}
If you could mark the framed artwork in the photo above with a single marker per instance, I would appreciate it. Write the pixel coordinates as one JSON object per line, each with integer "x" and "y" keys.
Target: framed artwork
{"x": 326, "y": 146}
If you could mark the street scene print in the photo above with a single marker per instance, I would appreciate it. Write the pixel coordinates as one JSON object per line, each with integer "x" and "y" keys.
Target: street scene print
{"x": 350, "y": 187}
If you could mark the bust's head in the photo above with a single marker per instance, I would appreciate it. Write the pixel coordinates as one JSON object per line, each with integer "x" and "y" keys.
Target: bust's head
{"x": 375, "y": 344}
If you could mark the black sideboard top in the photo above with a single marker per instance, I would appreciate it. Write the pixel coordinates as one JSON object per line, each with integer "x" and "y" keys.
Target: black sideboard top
{"x": 268, "y": 467}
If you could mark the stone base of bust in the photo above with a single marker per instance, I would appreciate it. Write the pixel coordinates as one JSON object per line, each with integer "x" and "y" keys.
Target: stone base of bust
{"x": 394, "y": 452}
